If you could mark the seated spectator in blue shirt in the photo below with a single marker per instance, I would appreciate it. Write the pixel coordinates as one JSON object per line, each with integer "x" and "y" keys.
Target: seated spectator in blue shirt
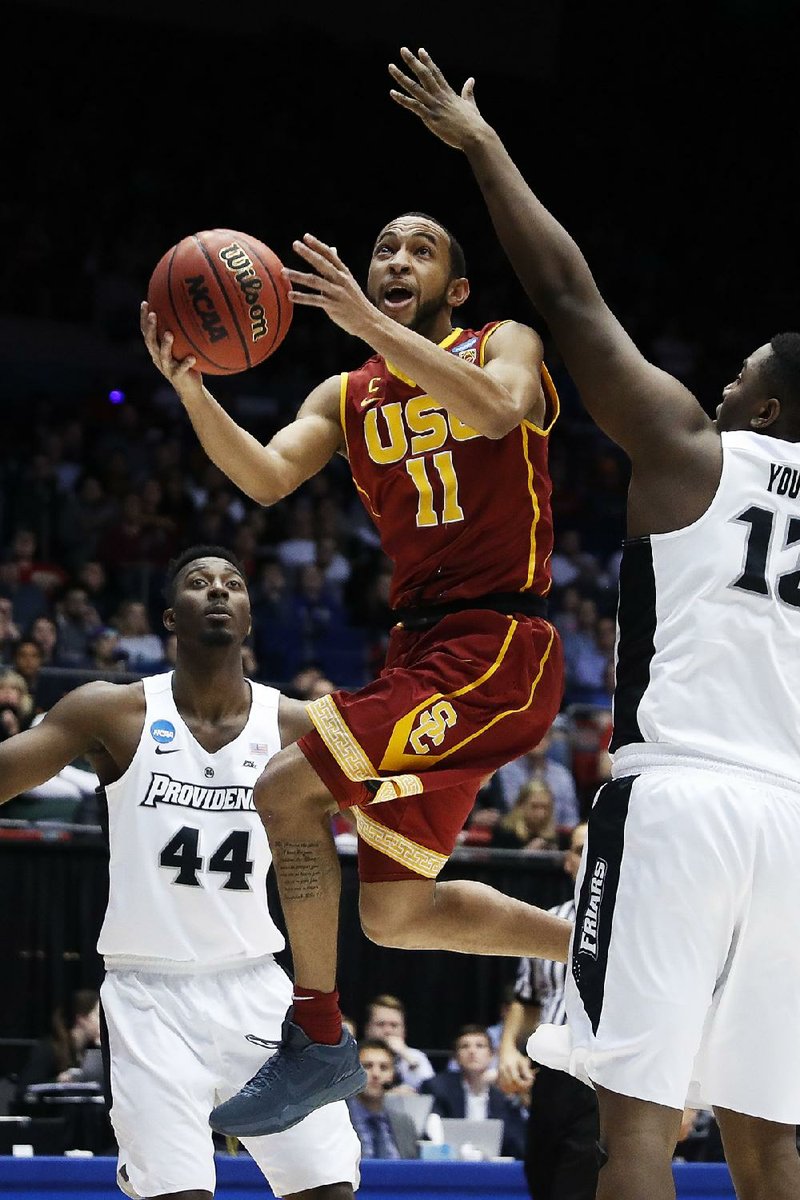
{"x": 143, "y": 649}
{"x": 471, "y": 1091}
{"x": 538, "y": 764}
{"x": 386, "y": 1019}
{"x": 383, "y": 1134}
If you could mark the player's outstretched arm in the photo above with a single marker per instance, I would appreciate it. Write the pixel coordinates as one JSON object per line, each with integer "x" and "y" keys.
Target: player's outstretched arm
{"x": 68, "y": 731}
{"x": 493, "y": 401}
{"x": 264, "y": 473}
{"x": 646, "y": 411}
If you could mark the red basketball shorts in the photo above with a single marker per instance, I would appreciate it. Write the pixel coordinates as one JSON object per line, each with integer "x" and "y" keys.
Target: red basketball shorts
{"x": 409, "y": 751}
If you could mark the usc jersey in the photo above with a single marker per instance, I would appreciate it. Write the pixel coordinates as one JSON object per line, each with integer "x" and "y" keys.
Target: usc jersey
{"x": 459, "y": 514}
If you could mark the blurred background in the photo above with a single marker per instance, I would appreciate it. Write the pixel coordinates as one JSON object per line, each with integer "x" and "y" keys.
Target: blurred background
{"x": 665, "y": 139}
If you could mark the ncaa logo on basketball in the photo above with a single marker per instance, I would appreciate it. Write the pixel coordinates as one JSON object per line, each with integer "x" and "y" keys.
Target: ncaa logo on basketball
{"x": 162, "y": 732}
{"x": 591, "y": 918}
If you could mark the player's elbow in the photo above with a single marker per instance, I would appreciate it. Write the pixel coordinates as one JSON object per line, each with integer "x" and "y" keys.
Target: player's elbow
{"x": 506, "y": 416}
{"x": 266, "y": 494}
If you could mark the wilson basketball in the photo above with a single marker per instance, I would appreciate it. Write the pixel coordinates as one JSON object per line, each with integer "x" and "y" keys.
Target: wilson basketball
{"x": 221, "y": 295}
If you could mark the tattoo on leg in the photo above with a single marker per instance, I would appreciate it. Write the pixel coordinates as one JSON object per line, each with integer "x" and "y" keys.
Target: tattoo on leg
{"x": 298, "y": 869}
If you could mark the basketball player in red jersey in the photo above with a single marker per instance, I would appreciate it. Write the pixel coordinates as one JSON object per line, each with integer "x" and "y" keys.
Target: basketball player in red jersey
{"x": 446, "y": 431}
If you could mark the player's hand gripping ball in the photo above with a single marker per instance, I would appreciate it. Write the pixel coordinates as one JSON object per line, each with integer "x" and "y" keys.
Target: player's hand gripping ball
{"x": 222, "y": 296}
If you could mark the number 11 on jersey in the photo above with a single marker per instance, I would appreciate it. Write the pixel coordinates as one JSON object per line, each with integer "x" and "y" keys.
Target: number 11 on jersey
{"x": 426, "y": 512}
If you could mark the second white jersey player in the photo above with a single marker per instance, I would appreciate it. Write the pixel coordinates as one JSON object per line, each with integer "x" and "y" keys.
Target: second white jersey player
{"x": 188, "y": 853}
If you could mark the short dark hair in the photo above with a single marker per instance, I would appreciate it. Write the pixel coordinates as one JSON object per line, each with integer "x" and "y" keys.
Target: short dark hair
{"x": 468, "y": 1031}
{"x": 781, "y": 373}
{"x": 376, "y": 1044}
{"x": 176, "y": 565}
{"x": 458, "y": 263}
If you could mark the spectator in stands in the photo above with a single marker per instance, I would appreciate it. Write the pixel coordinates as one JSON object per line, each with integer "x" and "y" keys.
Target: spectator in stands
{"x": 274, "y": 643}
{"x": 587, "y": 661}
{"x": 568, "y": 605}
{"x": 316, "y": 612}
{"x": 566, "y": 561}
{"x": 177, "y": 502}
{"x": 61, "y": 1057}
{"x": 538, "y": 764}
{"x": 14, "y": 694}
{"x": 9, "y": 721}
{"x": 93, "y": 576}
{"x": 332, "y": 563}
{"x": 382, "y": 1132}
{"x": 27, "y": 661}
{"x": 44, "y": 631}
{"x": 76, "y": 621}
{"x": 159, "y": 524}
{"x": 31, "y": 567}
{"x": 28, "y": 601}
{"x": 299, "y": 547}
{"x": 530, "y": 825}
{"x": 106, "y": 653}
{"x": 143, "y": 649}
{"x": 471, "y": 1091}
{"x": 84, "y": 517}
{"x": 71, "y": 1054}
{"x": 386, "y": 1019}
{"x": 587, "y": 651}
{"x": 9, "y": 630}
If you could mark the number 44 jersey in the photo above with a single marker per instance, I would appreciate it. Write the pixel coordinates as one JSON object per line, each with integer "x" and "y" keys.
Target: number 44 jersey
{"x": 188, "y": 852}
{"x": 708, "y": 646}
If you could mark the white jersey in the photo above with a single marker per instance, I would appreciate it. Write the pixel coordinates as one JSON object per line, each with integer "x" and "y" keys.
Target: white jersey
{"x": 188, "y": 852}
{"x": 708, "y": 643}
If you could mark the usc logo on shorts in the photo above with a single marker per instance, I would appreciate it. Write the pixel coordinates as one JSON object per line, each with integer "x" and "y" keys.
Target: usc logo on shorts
{"x": 433, "y": 724}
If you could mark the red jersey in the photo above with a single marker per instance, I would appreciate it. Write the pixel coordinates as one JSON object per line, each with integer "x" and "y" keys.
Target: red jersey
{"x": 460, "y": 515}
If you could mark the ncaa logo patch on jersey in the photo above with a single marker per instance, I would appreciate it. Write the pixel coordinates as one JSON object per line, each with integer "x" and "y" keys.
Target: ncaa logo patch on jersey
{"x": 466, "y": 350}
{"x": 162, "y": 732}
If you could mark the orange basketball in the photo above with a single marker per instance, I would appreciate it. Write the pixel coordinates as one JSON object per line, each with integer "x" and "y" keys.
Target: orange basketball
{"x": 222, "y": 296}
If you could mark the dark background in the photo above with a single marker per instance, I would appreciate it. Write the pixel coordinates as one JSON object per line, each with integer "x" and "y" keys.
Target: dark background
{"x": 665, "y": 139}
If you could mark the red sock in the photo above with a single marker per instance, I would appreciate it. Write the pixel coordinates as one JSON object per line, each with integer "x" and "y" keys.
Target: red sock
{"x": 318, "y": 1015}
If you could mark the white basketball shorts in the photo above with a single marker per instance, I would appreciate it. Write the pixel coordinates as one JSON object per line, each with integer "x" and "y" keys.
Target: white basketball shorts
{"x": 684, "y": 985}
{"x": 177, "y": 1046}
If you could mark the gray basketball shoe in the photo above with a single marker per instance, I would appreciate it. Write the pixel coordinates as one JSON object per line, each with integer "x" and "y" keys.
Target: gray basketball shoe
{"x": 300, "y": 1077}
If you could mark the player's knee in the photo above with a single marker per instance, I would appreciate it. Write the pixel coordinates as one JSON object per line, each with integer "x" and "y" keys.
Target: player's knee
{"x": 283, "y": 791}
{"x": 385, "y": 924}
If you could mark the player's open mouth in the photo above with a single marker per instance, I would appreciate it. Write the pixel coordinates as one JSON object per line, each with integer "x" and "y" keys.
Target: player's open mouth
{"x": 396, "y": 297}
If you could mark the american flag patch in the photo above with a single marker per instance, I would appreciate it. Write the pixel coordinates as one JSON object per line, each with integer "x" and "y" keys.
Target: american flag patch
{"x": 259, "y": 748}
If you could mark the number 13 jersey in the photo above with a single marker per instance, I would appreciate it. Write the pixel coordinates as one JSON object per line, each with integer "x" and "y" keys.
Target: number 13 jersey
{"x": 188, "y": 852}
{"x": 708, "y": 646}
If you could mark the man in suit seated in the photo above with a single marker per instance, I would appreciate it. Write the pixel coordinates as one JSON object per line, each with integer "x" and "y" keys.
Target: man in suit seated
{"x": 383, "y": 1134}
{"x": 471, "y": 1092}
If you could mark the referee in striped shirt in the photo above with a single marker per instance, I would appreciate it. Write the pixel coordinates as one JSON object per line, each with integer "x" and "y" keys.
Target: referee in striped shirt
{"x": 561, "y": 1158}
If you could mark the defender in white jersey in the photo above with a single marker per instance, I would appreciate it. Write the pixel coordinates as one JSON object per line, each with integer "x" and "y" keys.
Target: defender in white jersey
{"x": 188, "y": 940}
{"x": 685, "y": 960}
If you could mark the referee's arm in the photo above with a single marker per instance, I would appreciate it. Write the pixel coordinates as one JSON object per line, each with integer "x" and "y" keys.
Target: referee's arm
{"x": 515, "y": 1069}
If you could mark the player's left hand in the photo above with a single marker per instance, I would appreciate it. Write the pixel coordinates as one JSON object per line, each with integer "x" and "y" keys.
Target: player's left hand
{"x": 452, "y": 117}
{"x": 333, "y": 287}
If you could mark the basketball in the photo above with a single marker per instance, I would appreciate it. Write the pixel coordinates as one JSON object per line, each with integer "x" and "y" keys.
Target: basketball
{"x": 222, "y": 296}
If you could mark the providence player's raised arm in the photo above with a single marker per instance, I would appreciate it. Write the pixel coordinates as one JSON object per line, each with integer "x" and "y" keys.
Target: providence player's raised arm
{"x": 651, "y": 415}
{"x": 74, "y": 727}
{"x": 264, "y": 473}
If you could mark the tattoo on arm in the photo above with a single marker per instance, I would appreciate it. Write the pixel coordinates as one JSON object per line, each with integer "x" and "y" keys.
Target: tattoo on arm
{"x": 298, "y": 869}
